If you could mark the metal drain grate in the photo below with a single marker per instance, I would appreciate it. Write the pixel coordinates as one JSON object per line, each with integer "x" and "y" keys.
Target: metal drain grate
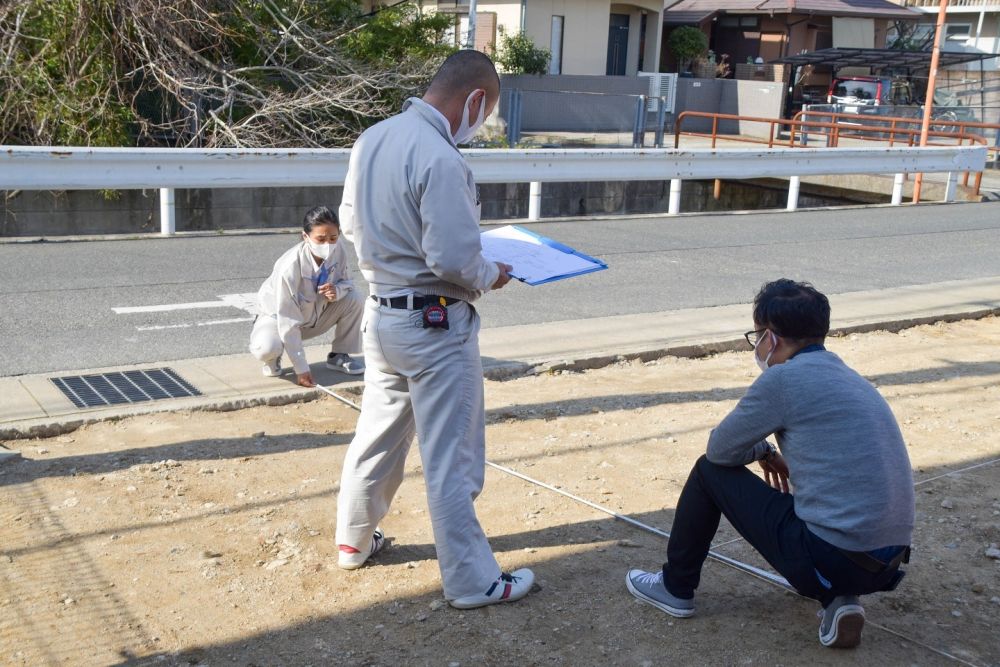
{"x": 153, "y": 384}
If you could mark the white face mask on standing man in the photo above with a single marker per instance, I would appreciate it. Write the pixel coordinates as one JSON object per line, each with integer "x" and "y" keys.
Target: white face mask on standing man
{"x": 465, "y": 131}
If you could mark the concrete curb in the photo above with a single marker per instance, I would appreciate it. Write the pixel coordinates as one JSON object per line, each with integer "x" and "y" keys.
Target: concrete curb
{"x": 497, "y": 370}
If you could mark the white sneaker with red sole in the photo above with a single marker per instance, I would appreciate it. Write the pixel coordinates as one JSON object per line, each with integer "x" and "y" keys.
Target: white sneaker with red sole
{"x": 508, "y": 587}
{"x": 351, "y": 559}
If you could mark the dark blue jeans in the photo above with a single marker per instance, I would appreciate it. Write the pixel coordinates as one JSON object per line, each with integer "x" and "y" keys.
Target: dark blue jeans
{"x": 766, "y": 518}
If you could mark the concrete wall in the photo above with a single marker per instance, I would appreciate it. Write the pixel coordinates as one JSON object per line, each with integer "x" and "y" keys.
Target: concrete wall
{"x": 30, "y": 213}
{"x": 545, "y": 108}
{"x": 763, "y": 99}
{"x": 86, "y": 212}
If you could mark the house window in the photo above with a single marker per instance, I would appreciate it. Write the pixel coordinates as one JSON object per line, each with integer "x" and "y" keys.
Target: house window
{"x": 735, "y": 21}
{"x": 958, "y": 31}
{"x": 556, "y": 45}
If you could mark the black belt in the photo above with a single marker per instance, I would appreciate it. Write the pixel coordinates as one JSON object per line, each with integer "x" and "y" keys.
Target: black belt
{"x": 402, "y": 302}
{"x": 867, "y": 562}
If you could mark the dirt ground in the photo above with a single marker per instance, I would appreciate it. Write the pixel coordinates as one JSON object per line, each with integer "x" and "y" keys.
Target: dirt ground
{"x": 206, "y": 538}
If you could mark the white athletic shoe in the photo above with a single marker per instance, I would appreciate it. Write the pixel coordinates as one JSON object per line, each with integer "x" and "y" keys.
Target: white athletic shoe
{"x": 345, "y": 364}
{"x": 352, "y": 561}
{"x": 272, "y": 369}
{"x": 507, "y": 588}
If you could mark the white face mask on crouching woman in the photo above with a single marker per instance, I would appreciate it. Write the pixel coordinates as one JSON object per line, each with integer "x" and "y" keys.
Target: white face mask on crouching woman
{"x": 465, "y": 131}
{"x": 322, "y": 250}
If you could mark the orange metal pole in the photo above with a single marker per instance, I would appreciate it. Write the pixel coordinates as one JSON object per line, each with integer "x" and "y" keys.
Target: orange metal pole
{"x": 929, "y": 97}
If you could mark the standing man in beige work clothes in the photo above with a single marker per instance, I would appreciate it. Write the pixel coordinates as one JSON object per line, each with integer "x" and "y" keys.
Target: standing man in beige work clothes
{"x": 411, "y": 209}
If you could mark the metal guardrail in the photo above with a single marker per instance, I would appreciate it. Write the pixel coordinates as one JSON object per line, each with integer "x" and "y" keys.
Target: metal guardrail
{"x": 50, "y": 168}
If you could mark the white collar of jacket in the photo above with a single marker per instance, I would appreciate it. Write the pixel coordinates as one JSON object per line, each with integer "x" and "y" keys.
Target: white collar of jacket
{"x": 432, "y": 115}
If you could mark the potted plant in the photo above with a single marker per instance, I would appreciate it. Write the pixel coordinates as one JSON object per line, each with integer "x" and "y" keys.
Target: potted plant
{"x": 687, "y": 43}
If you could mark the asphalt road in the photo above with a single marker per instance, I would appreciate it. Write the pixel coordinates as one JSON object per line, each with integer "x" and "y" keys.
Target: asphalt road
{"x": 57, "y": 299}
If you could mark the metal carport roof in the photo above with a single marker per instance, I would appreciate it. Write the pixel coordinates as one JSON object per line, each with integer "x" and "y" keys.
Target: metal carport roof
{"x": 838, "y": 58}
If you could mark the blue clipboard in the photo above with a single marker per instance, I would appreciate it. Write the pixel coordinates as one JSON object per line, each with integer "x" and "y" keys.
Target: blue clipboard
{"x": 597, "y": 265}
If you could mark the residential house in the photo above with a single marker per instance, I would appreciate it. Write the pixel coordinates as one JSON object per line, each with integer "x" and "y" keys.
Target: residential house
{"x": 596, "y": 37}
{"x": 748, "y": 30}
{"x": 970, "y": 25}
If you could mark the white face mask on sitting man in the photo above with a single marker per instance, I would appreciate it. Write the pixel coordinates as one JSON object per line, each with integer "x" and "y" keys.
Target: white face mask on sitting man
{"x": 762, "y": 364}
{"x": 465, "y": 131}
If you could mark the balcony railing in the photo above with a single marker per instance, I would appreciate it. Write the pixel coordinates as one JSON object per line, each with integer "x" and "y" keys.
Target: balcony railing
{"x": 951, "y": 3}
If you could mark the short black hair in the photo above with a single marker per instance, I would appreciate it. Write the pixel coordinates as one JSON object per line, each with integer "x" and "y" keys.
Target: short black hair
{"x": 320, "y": 215}
{"x": 464, "y": 71}
{"x": 792, "y": 309}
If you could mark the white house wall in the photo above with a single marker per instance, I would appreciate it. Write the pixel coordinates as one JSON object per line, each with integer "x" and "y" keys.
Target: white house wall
{"x": 585, "y": 32}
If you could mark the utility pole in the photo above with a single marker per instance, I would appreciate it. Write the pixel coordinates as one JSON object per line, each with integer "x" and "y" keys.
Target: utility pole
{"x": 929, "y": 97}
{"x": 471, "y": 43}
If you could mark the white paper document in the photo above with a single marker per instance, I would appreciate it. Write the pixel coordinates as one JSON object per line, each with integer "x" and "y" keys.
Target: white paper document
{"x": 536, "y": 259}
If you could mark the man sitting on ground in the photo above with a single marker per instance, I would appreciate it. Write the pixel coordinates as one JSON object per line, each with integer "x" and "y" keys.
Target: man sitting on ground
{"x": 848, "y": 525}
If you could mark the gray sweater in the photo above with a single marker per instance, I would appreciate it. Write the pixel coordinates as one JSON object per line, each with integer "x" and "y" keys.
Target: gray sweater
{"x": 846, "y": 457}
{"x": 411, "y": 209}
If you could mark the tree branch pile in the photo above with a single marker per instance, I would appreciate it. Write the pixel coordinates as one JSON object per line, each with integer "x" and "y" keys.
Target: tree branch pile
{"x": 244, "y": 73}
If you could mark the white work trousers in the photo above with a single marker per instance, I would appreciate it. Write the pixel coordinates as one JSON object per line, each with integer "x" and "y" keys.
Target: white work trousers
{"x": 344, "y": 313}
{"x": 430, "y": 380}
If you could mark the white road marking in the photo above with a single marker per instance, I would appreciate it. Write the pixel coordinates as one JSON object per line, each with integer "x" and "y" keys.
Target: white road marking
{"x": 126, "y": 310}
{"x": 188, "y": 325}
{"x": 246, "y": 302}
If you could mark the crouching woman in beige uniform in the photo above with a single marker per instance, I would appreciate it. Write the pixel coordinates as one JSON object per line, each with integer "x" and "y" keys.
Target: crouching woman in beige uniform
{"x": 308, "y": 293}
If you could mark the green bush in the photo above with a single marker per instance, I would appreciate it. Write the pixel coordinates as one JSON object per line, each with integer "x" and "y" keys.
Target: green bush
{"x": 517, "y": 54}
{"x": 687, "y": 43}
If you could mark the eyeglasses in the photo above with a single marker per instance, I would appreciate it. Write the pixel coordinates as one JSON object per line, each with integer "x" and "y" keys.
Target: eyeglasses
{"x": 753, "y": 337}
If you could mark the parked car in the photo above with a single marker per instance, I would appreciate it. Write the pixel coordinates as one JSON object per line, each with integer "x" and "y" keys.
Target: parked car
{"x": 861, "y": 91}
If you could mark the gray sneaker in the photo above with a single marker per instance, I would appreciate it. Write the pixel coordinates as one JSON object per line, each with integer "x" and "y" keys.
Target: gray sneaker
{"x": 842, "y": 622}
{"x": 648, "y": 587}
{"x": 345, "y": 364}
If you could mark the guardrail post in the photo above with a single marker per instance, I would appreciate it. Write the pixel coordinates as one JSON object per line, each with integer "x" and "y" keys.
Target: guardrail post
{"x": 168, "y": 220}
{"x": 793, "y": 193}
{"x": 951, "y": 186}
{"x": 674, "y": 205}
{"x": 639, "y": 126}
{"x": 661, "y": 119}
{"x": 535, "y": 200}
{"x": 897, "y": 190}
{"x": 514, "y": 120}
